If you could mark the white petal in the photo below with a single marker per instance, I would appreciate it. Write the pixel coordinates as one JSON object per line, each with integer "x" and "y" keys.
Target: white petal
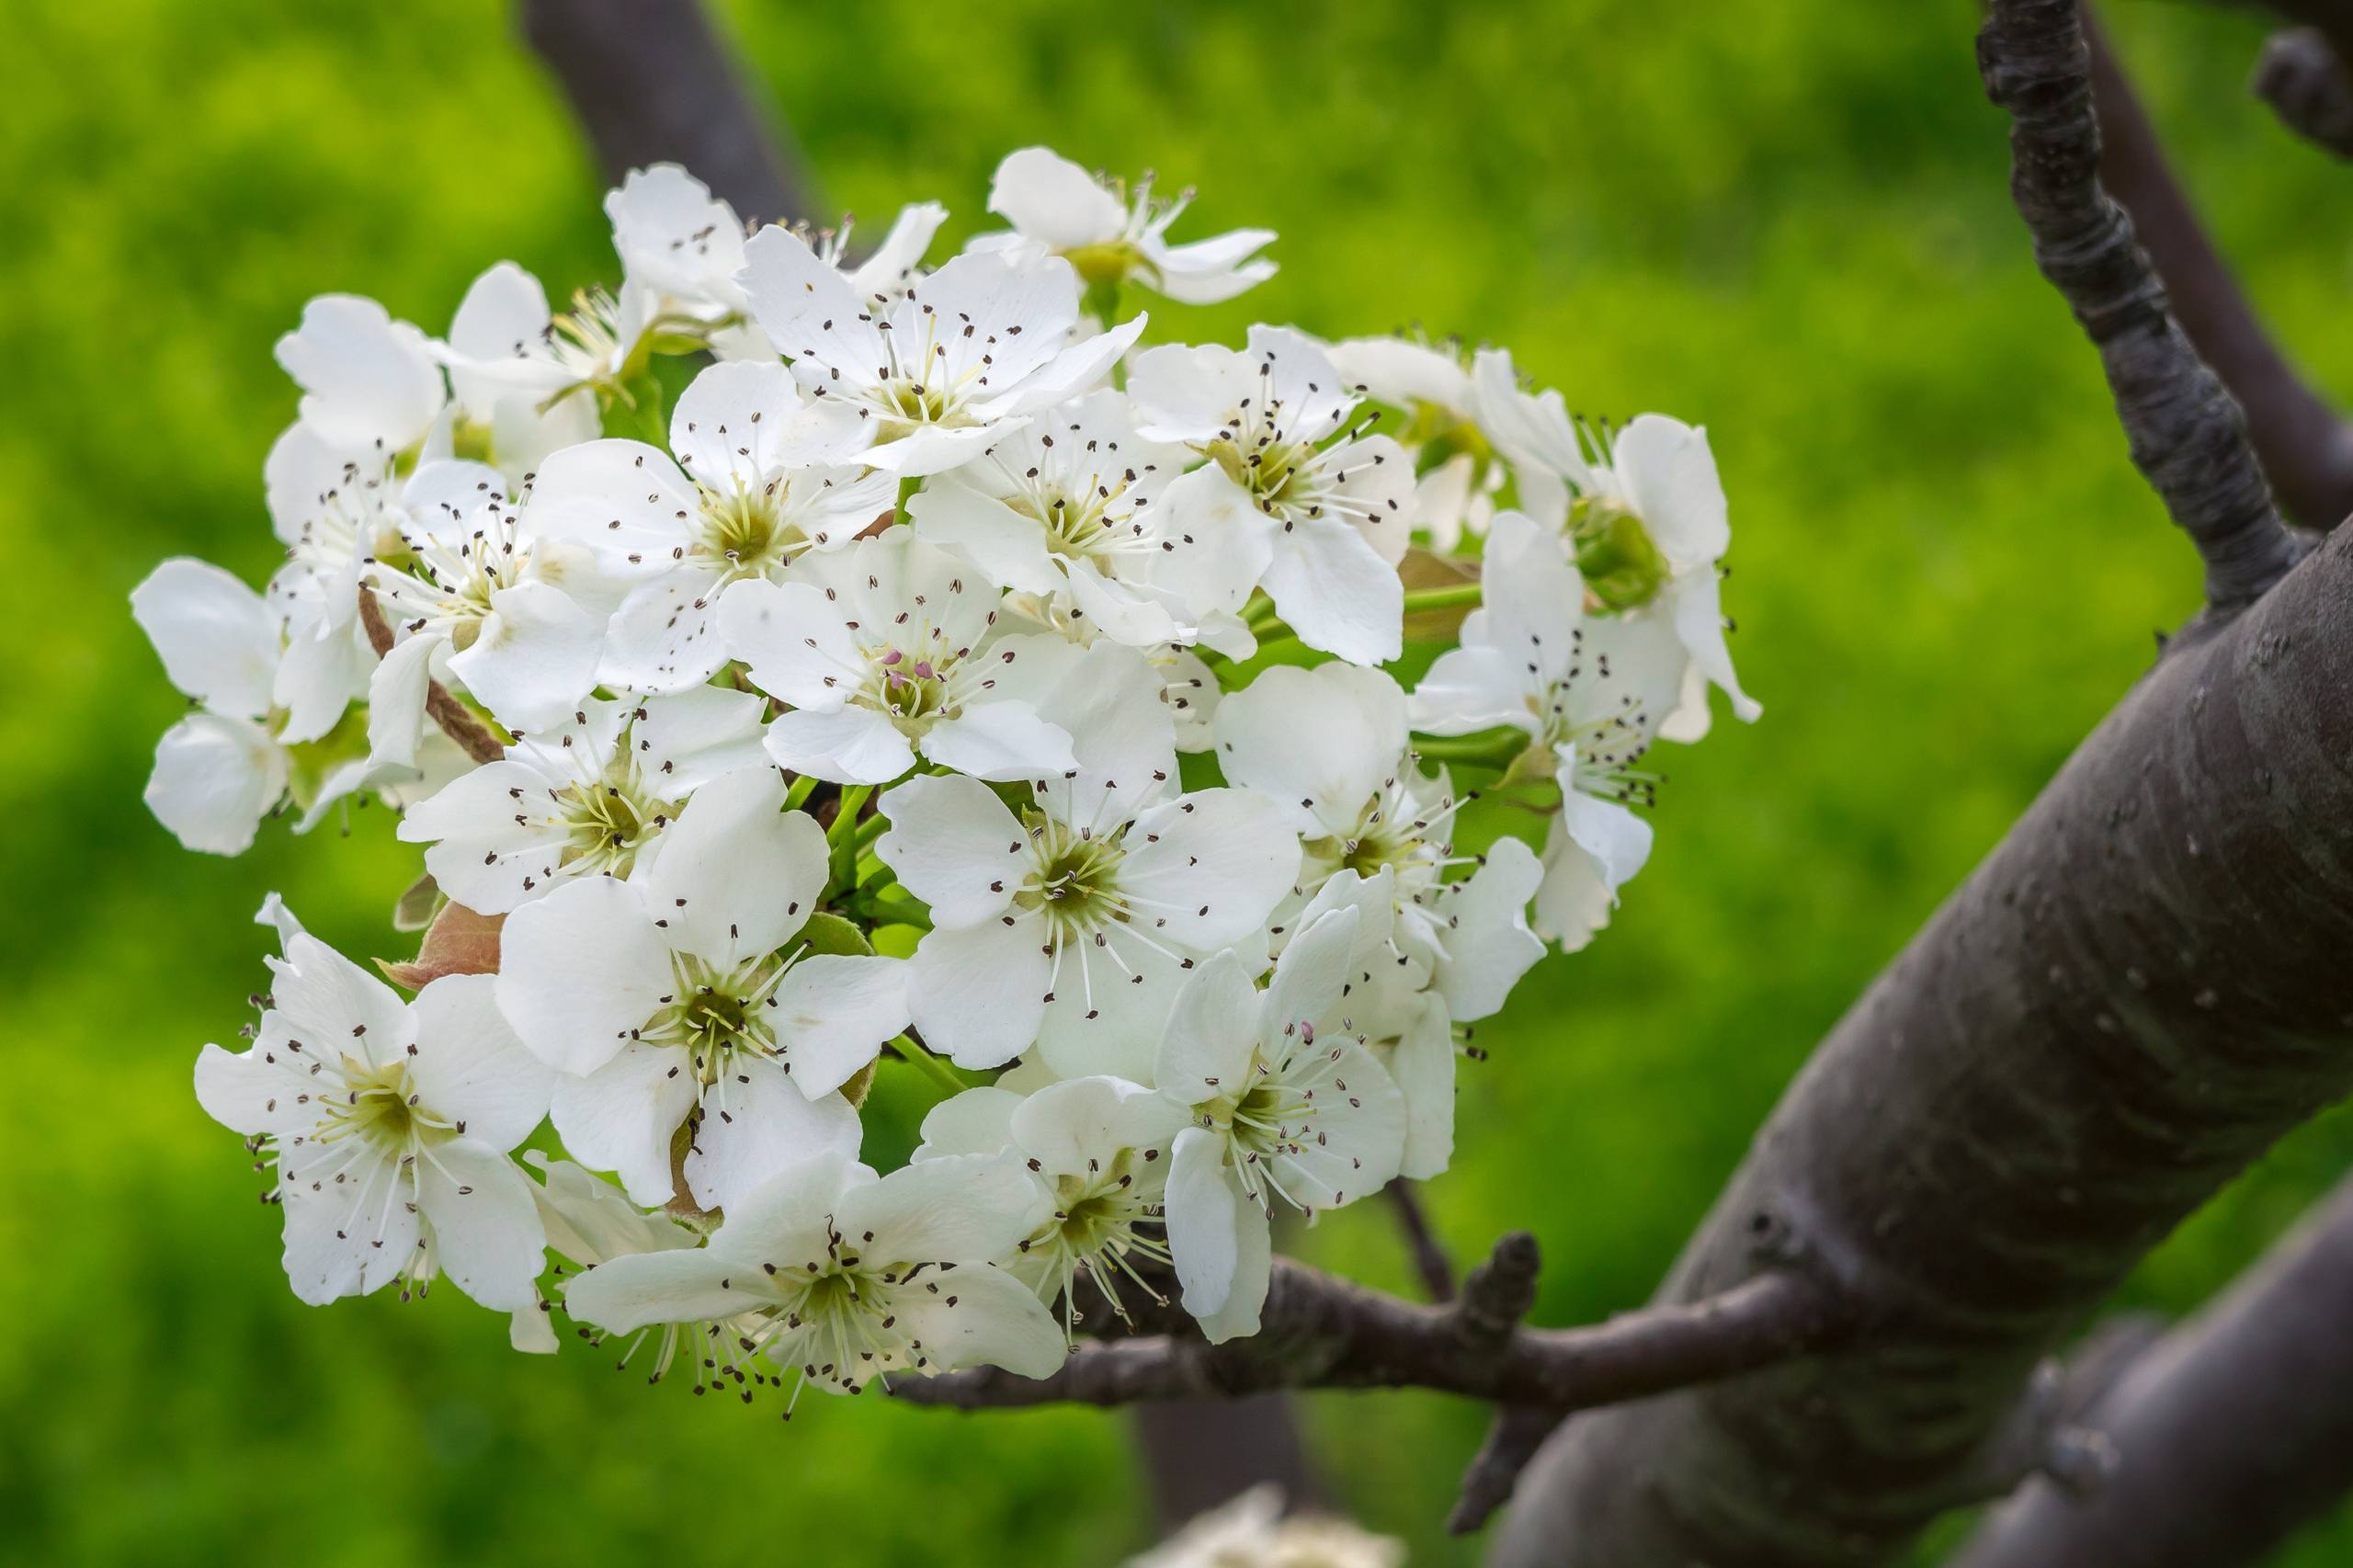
{"x": 1489, "y": 946}
{"x": 617, "y": 497}
{"x": 1670, "y": 476}
{"x": 843, "y": 746}
{"x": 470, "y": 1069}
{"x": 967, "y": 1210}
{"x": 1223, "y": 859}
{"x": 214, "y": 780}
{"x": 978, "y": 1121}
{"x": 686, "y": 739}
{"x": 1212, "y": 1031}
{"x": 1186, "y": 394}
{"x": 794, "y": 640}
{"x": 579, "y": 970}
{"x": 1053, "y": 201}
{"x": 1318, "y": 742}
{"x": 335, "y": 1007}
{"x": 1311, "y": 975}
{"x": 367, "y": 380}
{"x": 247, "y": 1093}
{"x": 1468, "y": 689}
{"x": 996, "y": 1320}
{"x": 535, "y": 658}
{"x": 666, "y": 635}
{"x": 807, "y": 309}
{"x": 1206, "y": 1213}
{"x": 483, "y": 1223}
{"x": 954, "y": 845}
{"x": 999, "y": 541}
{"x": 978, "y": 994}
{"x": 901, "y": 251}
{"x": 1219, "y": 544}
{"x": 217, "y": 638}
{"x": 730, "y": 421}
{"x": 1698, "y": 621}
{"x": 1081, "y": 1125}
{"x": 738, "y": 874}
{"x": 350, "y": 1237}
{"x": 832, "y": 1013}
{"x": 658, "y": 1287}
{"x": 675, "y": 236}
{"x": 999, "y": 741}
{"x": 1335, "y": 591}
{"x": 758, "y": 1125}
{"x": 396, "y": 696}
{"x": 621, "y": 1116}
{"x": 1422, "y": 1065}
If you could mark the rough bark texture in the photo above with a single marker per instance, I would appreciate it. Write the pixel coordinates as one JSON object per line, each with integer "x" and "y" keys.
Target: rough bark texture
{"x": 2230, "y": 1433}
{"x": 2305, "y": 447}
{"x": 652, "y": 83}
{"x": 2137, "y": 991}
{"x": 2308, "y": 87}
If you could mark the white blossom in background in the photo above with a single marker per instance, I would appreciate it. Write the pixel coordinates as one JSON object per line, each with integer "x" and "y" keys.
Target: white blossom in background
{"x": 1254, "y": 1532}
{"x": 389, "y": 1124}
{"x": 1114, "y": 236}
{"x": 1327, "y": 504}
{"x": 927, "y": 691}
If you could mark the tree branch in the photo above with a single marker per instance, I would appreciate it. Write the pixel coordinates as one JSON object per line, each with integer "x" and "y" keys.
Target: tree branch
{"x": 456, "y": 720}
{"x": 2187, "y": 436}
{"x": 2308, "y": 87}
{"x": 2305, "y": 447}
{"x": 2231, "y": 1433}
{"x": 652, "y": 83}
{"x": 1324, "y": 1333}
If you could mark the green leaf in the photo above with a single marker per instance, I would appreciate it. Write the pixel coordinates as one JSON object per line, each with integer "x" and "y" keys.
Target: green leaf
{"x": 829, "y": 932}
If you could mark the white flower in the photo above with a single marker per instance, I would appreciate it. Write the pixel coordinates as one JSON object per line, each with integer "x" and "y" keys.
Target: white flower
{"x": 878, "y": 648}
{"x": 369, "y": 383}
{"x": 1646, "y": 523}
{"x": 1278, "y": 1113}
{"x": 756, "y": 486}
{"x": 1063, "y": 511}
{"x": 1327, "y": 745}
{"x": 389, "y": 1123}
{"x": 1458, "y": 470}
{"x": 1097, "y": 1147}
{"x": 334, "y": 511}
{"x": 1591, "y": 691}
{"x": 840, "y": 1276}
{"x": 589, "y": 798}
{"x": 1334, "y": 510}
{"x": 1253, "y": 1531}
{"x": 940, "y": 373}
{"x": 1070, "y": 924}
{"x": 526, "y": 379}
{"x": 1111, "y": 236}
{"x": 223, "y": 768}
{"x": 677, "y": 241}
{"x": 479, "y": 594}
{"x": 684, "y": 994}
{"x": 589, "y": 1219}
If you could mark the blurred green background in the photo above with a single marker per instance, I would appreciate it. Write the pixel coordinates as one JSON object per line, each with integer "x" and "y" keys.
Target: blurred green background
{"x": 1787, "y": 222}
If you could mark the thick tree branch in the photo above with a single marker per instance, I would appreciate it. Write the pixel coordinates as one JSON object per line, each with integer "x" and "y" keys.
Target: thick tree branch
{"x": 1323, "y": 1333}
{"x": 2230, "y": 1433}
{"x": 456, "y": 720}
{"x": 2309, "y": 88}
{"x": 2305, "y": 447}
{"x": 2187, "y": 436}
{"x": 2137, "y": 991}
{"x": 652, "y": 83}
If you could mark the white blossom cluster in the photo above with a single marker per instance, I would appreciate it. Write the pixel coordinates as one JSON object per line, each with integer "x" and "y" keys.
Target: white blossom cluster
{"x": 791, "y": 669}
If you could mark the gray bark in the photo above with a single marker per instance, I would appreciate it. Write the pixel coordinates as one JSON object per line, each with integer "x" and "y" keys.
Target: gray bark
{"x": 2230, "y": 1433}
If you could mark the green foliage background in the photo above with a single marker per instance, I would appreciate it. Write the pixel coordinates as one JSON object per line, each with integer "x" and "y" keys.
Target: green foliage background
{"x": 1785, "y": 221}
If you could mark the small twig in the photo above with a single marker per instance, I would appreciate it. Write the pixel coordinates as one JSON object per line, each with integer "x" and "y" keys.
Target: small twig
{"x": 2308, "y": 87}
{"x": 2305, "y": 447}
{"x": 1429, "y": 1255}
{"x": 1513, "y": 1438}
{"x": 456, "y": 720}
{"x": 651, "y": 81}
{"x": 1324, "y": 1333}
{"x": 2186, "y": 434}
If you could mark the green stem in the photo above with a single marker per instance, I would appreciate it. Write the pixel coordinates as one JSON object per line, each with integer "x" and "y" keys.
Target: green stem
{"x": 841, "y": 836}
{"x": 907, "y": 488}
{"x": 937, "y": 1071}
{"x": 870, "y": 830}
{"x": 1489, "y": 748}
{"x": 796, "y": 795}
{"x": 1441, "y": 598}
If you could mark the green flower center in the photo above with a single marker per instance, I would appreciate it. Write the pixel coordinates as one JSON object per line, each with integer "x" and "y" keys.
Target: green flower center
{"x": 1621, "y": 566}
